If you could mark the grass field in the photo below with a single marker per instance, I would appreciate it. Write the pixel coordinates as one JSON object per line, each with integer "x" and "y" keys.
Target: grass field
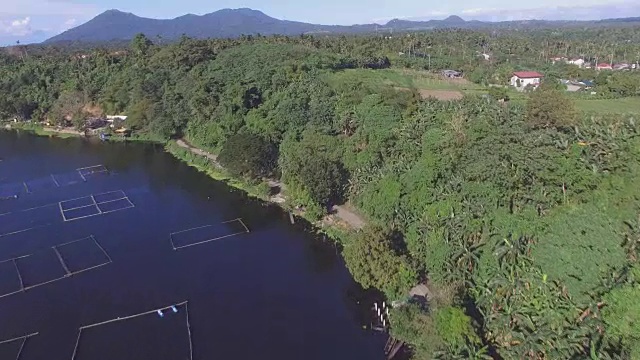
{"x": 402, "y": 78}
{"x": 610, "y": 106}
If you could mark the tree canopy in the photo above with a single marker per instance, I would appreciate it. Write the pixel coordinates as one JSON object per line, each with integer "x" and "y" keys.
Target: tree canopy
{"x": 518, "y": 215}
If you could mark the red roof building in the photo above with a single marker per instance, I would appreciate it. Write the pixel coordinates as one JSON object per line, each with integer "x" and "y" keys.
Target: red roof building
{"x": 602, "y": 66}
{"x": 527, "y": 74}
{"x": 525, "y": 79}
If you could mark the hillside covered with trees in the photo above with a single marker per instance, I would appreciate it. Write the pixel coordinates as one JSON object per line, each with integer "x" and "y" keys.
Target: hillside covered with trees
{"x": 521, "y": 216}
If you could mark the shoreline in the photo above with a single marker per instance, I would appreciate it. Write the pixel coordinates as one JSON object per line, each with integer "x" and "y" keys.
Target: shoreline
{"x": 338, "y": 224}
{"x": 343, "y": 213}
{"x": 40, "y": 130}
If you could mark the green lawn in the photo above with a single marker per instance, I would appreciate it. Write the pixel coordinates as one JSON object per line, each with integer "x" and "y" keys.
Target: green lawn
{"x": 610, "y": 106}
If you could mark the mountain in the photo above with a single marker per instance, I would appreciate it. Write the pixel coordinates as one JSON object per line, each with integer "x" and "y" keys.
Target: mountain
{"x": 117, "y": 25}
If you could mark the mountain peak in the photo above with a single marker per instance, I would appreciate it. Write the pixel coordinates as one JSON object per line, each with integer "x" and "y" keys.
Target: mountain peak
{"x": 115, "y": 13}
{"x": 454, "y": 19}
{"x": 241, "y": 11}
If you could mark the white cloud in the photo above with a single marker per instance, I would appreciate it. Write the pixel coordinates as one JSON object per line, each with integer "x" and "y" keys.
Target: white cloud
{"x": 69, "y": 24}
{"x": 36, "y": 20}
{"x": 47, "y": 7}
{"x": 16, "y": 27}
{"x": 581, "y": 12}
{"x": 435, "y": 14}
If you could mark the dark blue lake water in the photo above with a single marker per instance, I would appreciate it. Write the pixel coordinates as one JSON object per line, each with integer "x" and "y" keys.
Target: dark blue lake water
{"x": 276, "y": 292}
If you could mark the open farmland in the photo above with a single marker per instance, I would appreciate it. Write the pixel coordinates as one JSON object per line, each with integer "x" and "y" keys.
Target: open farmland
{"x": 610, "y": 106}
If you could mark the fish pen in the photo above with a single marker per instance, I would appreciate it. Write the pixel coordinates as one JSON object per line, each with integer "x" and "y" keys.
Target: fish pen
{"x": 207, "y": 233}
{"x": 18, "y": 343}
{"x": 94, "y": 205}
{"x": 162, "y": 314}
{"x": 51, "y": 181}
{"x": 40, "y": 184}
{"x": 53, "y": 264}
{"x": 90, "y": 171}
{"x": 20, "y": 221}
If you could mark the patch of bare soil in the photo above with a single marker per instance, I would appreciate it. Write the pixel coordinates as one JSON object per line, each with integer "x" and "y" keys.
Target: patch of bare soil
{"x": 457, "y": 81}
{"x": 67, "y": 130}
{"x": 442, "y": 94}
{"x": 93, "y": 110}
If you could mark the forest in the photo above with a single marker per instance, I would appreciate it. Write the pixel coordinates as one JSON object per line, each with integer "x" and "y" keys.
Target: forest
{"x": 522, "y": 216}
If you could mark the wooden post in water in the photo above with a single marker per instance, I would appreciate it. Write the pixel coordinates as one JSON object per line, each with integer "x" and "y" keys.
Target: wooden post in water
{"x": 291, "y": 218}
{"x": 394, "y": 350}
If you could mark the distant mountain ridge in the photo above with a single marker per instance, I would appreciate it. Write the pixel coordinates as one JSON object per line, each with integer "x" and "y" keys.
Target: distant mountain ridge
{"x": 118, "y": 25}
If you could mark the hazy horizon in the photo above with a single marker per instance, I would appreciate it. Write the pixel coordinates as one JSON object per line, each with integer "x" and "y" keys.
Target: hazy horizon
{"x": 30, "y": 21}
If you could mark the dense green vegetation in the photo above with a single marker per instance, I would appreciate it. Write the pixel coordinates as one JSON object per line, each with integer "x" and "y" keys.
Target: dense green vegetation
{"x": 520, "y": 215}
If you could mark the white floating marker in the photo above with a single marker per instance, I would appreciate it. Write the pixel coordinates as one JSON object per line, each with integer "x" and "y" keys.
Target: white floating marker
{"x": 173, "y": 307}
{"x": 160, "y": 313}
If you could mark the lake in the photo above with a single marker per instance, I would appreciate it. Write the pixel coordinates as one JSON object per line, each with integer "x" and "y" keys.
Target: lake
{"x": 274, "y": 292}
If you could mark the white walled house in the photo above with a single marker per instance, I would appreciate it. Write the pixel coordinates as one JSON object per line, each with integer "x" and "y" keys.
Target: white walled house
{"x": 521, "y": 79}
{"x": 576, "y": 61}
{"x": 110, "y": 118}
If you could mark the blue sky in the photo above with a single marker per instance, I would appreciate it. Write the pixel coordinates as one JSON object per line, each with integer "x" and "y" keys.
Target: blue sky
{"x": 34, "y": 20}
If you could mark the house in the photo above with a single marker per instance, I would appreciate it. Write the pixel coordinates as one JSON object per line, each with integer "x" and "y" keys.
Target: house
{"x": 576, "y": 61}
{"x": 116, "y": 121}
{"x": 603, "y": 66}
{"x": 522, "y": 79}
{"x": 573, "y": 85}
{"x": 587, "y": 83}
{"x": 621, "y": 66}
{"x": 95, "y": 123}
{"x": 111, "y": 118}
{"x": 557, "y": 59}
{"x": 451, "y": 74}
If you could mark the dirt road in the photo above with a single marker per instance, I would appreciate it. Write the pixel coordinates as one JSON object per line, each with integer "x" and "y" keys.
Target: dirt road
{"x": 340, "y": 211}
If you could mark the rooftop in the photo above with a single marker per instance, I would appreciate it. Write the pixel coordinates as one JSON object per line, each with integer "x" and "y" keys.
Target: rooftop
{"x": 528, "y": 74}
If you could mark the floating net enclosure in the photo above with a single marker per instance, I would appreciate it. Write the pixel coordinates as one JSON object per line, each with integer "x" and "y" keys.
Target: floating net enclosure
{"x": 207, "y": 233}
{"x": 40, "y": 268}
{"x": 68, "y": 178}
{"x": 44, "y": 183}
{"x": 24, "y": 220}
{"x": 51, "y": 264}
{"x": 10, "y": 280}
{"x": 52, "y": 181}
{"x": 92, "y": 171}
{"x": 11, "y": 349}
{"x": 83, "y": 255}
{"x": 12, "y": 189}
{"x": 163, "y": 333}
{"x": 93, "y": 205}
